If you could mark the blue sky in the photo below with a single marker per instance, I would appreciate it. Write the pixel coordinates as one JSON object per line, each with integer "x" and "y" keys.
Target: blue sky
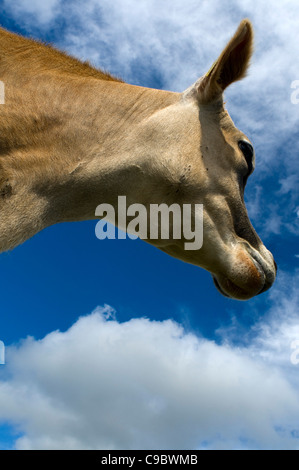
{"x": 155, "y": 316}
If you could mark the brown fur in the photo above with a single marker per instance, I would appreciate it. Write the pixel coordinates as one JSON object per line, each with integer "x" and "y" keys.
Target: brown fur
{"x": 28, "y": 55}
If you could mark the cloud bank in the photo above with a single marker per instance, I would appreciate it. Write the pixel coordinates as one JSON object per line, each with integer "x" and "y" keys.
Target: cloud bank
{"x": 144, "y": 384}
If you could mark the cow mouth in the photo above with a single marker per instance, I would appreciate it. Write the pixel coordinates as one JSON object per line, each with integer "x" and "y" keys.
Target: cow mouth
{"x": 234, "y": 289}
{"x": 231, "y": 290}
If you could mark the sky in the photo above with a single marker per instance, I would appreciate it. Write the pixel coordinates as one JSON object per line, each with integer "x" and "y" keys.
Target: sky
{"x": 115, "y": 345}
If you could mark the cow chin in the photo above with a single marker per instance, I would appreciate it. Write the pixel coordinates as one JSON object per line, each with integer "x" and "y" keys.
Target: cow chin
{"x": 233, "y": 291}
{"x": 246, "y": 278}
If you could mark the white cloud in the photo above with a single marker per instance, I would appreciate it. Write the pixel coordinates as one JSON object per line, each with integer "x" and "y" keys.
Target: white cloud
{"x": 44, "y": 12}
{"x": 279, "y": 326}
{"x": 151, "y": 385}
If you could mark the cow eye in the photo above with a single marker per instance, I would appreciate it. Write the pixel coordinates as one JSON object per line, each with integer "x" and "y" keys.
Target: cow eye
{"x": 247, "y": 150}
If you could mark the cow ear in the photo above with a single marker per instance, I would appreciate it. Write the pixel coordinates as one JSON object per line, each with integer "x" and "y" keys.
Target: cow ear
{"x": 231, "y": 65}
